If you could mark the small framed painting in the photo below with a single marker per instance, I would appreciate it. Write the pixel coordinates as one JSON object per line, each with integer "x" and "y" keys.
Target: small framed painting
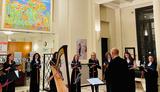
{"x": 131, "y": 50}
{"x": 81, "y": 46}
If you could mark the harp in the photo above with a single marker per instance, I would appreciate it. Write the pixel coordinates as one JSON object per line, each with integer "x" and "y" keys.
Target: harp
{"x": 61, "y": 87}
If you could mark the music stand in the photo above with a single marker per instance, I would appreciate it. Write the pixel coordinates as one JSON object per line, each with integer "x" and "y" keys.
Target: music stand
{"x": 95, "y": 81}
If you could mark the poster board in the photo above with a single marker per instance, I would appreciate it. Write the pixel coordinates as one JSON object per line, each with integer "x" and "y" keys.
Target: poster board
{"x": 81, "y": 48}
{"x": 3, "y": 47}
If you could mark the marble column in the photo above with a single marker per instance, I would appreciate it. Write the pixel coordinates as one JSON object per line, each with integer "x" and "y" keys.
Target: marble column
{"x": 156, "y": 11}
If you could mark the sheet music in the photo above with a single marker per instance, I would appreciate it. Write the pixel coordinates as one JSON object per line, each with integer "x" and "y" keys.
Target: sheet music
{"x": 17, "y": 73}
{"x": 95, "y": 81}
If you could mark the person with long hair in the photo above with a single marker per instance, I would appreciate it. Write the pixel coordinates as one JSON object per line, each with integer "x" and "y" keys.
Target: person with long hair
{"x": 35, "y": 73}
{"x": 93, "y": 69}
{"x": 131, "y": 72}
{"x": 107, "y": 59}
{"x": 8, "y": 67}
{"x": 151, "y": 75}
{"x": 51, "y": 79}
{"x": 75, "y": 77}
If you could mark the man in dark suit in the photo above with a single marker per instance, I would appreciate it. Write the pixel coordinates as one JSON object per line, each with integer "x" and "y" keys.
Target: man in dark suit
{"x": 118, "y": 72}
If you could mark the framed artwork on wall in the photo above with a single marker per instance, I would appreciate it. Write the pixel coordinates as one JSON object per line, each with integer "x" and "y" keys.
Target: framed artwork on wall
{"x": 131, "y": 50}
{"x": 27, "y": 15}
{"x": 0, "y": 13}
{"x": 81, "y": 48}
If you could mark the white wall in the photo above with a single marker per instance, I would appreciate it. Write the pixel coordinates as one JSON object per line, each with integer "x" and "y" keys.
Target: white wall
{"x": 122, "y": 24}
{"x": 128, "y": 25}
{"x": 78, "y": 23}
{"x": 74, "y": 19}
{"x": 108, "y": 15}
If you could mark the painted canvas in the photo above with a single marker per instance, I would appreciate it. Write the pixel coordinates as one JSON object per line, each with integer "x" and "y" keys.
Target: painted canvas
{"x": 0, "y": 13}
{"x": 81, "y": 46}
{"x": 28, "y": 14}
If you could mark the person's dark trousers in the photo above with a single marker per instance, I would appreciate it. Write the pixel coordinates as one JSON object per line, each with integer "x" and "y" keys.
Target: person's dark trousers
{"x": 96, "y": 88}
{"x": 108, "y": 88}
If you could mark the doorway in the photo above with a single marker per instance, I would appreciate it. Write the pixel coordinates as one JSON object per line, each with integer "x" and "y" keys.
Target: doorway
{"x": 145, "y": 33}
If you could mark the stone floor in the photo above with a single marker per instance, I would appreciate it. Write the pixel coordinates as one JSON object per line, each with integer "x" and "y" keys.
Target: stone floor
{"x": 84, "y": 89}
{"x": 139, "y": 88}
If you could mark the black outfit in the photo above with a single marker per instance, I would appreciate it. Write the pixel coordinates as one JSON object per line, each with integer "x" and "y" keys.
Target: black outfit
{"x": 35, "y": 76}
{"x": 75, "y": 82}
{"x": 151, "y": 76}
{"x": 53, "y": 87}
{"x": 93, "y": 72}
{"x": 131, "y": 77}
{"x": 106, "y": 62}
{"x": 118, "y": 75}
{"x": 11, "y": 86}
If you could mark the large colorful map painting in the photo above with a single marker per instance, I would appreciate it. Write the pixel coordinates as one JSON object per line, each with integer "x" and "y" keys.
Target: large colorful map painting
{"x": 0, "y": 13}
{"x": 28, "y": 14}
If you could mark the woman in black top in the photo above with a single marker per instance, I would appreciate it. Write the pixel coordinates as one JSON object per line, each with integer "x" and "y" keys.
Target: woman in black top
{"x": 151, "y": 75}
{"x": 106, "y": 62}
{"x": 75, "y": 77}
{"x": 131, "y": 72}
{"x": 52, "y": 83}
{"x": 35, "y": 73}
{"x": 93, "y": 69}
{"x": 8, "y": 67}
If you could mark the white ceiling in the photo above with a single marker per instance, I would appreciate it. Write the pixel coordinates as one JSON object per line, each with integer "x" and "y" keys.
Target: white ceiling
{"x": 112, "y": 1}
{"x": 118, "y": 2}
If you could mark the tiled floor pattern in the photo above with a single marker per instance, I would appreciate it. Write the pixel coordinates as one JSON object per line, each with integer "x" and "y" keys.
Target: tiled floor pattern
{"x": 84, "y": 89}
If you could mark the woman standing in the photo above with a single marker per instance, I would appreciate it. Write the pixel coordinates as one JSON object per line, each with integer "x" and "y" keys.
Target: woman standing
{"x": 35, "y": 73}
{"x": 51, "y": 80}
{"x": 131, "y": 72}
{"x": 8, "y": 67}
{"x": 93, "y": 69}
{"x": 75, "y": 78}
{"x": 106, "y": 62}
{"x": 151, "y": 75}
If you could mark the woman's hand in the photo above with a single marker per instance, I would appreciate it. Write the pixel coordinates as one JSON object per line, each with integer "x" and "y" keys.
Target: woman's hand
{"x": 7, "y": 69}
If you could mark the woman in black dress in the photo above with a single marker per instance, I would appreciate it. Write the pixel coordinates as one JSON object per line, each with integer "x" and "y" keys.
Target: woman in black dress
{"x": 75, "y": 78}
{"x": 131, "y": 72}
{"x": 151, "y": 75}
{"x": 106, "y": 62}
{"x": 8, "y": 67}
{"x": 35, "y": 73}
{"x": 51, "y": 80}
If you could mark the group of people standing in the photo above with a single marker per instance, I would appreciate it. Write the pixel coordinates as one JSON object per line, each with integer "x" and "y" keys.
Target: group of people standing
{"x": 119, "y": 72}
{"x": 9, "y": 68}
